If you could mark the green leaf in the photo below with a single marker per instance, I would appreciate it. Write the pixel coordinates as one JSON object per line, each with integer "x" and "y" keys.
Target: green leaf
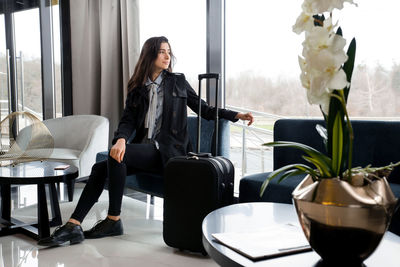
{"x": 349, "y": 65}
{"x": 320, "y": 168}
{"x": 337, "y": 144}
{"x": 309, "y": 170}
{"x": 275, "y": 173}
{"x": 335, "y": 106}
{"x": 290, "y": 173}
{"x": 346, "y": 144}
{"x": 264, "y": 186}
{"x": 324, "y": 162}
{"x": 339, "y": 31}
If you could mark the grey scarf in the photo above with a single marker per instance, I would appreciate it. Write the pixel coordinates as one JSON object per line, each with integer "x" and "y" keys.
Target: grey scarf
{"x": 151, "y": 113}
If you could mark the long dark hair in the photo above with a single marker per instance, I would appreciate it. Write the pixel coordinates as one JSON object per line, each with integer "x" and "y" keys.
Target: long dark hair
{"x": 145, "y": 64}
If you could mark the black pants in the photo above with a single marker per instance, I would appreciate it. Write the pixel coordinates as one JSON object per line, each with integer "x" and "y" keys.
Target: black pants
{"x": 138, "y": 157}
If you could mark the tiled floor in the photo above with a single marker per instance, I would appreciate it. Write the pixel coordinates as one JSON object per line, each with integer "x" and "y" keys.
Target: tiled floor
{"x": 141, "y": 245}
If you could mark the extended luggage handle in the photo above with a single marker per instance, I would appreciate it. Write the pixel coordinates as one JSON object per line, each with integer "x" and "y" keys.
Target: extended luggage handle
{"x": 209, "y": 76}
{"x": 200, "y": 155}
{"x": 215, "y": 76}
{"x": 197, "y": 156}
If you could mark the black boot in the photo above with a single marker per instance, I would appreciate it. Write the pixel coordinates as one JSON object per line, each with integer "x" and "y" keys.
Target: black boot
{"x": 106, "y": 227}
{"x": 69, "y": 232}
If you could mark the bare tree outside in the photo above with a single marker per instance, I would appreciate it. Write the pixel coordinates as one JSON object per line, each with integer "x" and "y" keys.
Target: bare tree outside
{"x": 375, "y": 92}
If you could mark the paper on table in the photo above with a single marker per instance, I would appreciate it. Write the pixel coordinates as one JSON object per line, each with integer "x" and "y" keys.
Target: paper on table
{"x": 266, "y": 242}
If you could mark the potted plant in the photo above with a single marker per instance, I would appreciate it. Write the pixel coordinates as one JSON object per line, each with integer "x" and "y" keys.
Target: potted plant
{"x": 344, "y": 210}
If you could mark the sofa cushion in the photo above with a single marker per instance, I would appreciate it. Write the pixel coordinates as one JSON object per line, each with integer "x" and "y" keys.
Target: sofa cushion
{"x": 65, "y": 153}
{"x": 395, "y": 225}
{"x": 375, "y": 142}
{"x": 395, "y": 189}
{"x": 206, "y": 137}
{"x": 55, "y": 154}
{"x": 250, "y": 187}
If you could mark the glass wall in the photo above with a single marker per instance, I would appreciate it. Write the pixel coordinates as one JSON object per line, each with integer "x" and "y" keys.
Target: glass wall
{"x": 28, "y": 63}
{"x": 262, "y": 71}
{"x": 184, "y": 24}
{"x": 24, "y": 31}
{"x": 4, "y": 93}
{"x": 261, "y": 57}
{"x": 375, "y": 88}
{"x": 57, "y": 58}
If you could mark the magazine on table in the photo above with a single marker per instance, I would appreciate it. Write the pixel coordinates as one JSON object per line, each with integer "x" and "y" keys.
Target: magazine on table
{"x": 268, "y": 242}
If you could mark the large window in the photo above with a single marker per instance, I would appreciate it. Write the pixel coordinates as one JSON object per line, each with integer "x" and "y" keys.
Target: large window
{"x": 376, "y": 79}
{"x": 57, "y": 59}
{"x": 262, "y": 72}
{"x": 29, "y": 65}
{"x": 184, "y": 24}
{"x": 30, "y": 59}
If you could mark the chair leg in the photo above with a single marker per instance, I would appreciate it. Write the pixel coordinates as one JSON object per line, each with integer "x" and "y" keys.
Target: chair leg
{"x": 58, "y": 188}
{"x": 55, "y": 206}
{"x": 6, "y": 202}
{"x": 43, "y": 215}
{"x": 70, "y": 189}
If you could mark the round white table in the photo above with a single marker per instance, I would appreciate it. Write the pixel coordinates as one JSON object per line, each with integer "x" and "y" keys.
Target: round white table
{"x": 247, "y": 217}
{"x": 40, "y": 173}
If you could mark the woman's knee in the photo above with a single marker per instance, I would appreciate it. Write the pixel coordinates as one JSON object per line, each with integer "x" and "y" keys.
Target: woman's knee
{"x": 99, "y": 167}
{"x": 113, "y": 162}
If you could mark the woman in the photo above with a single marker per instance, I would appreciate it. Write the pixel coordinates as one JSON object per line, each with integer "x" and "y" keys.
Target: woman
{"x": 156, "y": 108}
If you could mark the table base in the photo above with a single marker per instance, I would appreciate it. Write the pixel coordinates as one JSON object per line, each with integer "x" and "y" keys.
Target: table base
{"x": 36, "y": 230}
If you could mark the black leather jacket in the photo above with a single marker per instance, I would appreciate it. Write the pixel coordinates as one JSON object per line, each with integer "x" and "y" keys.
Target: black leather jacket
{"x": 173, "y": 138}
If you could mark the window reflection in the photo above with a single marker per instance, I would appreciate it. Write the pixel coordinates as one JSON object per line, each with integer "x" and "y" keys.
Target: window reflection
{"x": 15, "y": 254}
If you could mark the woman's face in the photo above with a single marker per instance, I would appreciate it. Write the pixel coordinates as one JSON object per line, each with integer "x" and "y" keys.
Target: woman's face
{"x": 163, "y": 59}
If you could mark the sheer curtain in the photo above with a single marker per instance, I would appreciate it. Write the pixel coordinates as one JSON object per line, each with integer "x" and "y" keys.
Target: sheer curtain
{"x": 105, "y": 48}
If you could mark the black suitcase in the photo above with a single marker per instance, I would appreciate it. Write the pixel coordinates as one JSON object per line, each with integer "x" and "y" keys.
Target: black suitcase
{"x": 195, "y": 185}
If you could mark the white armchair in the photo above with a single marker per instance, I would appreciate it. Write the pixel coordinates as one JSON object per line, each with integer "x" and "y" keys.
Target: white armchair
{"x": 77, "y": 140}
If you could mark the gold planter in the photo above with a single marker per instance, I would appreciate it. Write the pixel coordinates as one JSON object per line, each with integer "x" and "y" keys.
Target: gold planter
{"x": 344, "y": 224}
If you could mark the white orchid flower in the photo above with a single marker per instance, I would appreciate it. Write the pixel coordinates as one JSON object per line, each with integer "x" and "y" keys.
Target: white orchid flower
{"x": 338, "y": 80}
{"x": 304, "y": 77}
{"x": 324, "y": 37}
{"x": 305, "y": 22}
{"x": 324, "y": 59}
{"x": 315, "y": 83}
{"x": 321, "y": 63}
{"x": 323, "y": 53}
{"x": 321, "y": 6}
{"x": 318, "y": 93}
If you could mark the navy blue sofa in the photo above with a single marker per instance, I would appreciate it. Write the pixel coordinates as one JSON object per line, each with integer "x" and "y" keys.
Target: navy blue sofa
{"x": 154, "y": 184}
{"x": 376, "y": 143}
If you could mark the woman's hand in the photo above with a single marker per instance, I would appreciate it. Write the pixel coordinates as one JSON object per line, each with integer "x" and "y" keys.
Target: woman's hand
{"x": 245, "y": 117}
{"x": 117, "y": 151}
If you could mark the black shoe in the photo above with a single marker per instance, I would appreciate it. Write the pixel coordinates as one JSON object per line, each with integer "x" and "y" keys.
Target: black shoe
{"x": 69, "y": 232}
{"x": 106, "y": 227}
